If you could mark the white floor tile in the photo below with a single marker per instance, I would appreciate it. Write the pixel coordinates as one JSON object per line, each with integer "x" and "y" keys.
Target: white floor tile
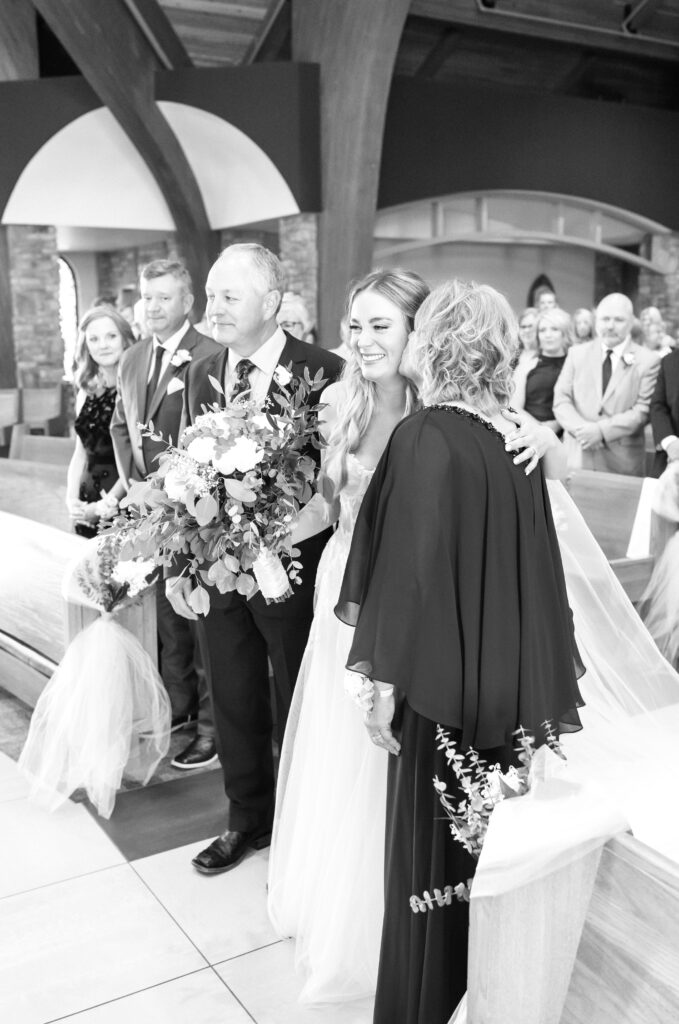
{"x": 39, "y": 848}
{"x": 266, "y": 984}
{"x": 196, "y": 999}
{"x": 225, "y": 915}
{"x": 12, "y": 783}
{"x": 76, "y": 944}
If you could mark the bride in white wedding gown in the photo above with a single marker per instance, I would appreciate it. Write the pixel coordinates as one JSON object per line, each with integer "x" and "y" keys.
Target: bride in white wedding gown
{"x": 326, "y": 872}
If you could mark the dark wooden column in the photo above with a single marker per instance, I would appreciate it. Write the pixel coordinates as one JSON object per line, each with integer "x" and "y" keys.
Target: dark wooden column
{"x": 18, "y": 60}
{"x": 355, "y": 43}
{"x": 113, "y": 50}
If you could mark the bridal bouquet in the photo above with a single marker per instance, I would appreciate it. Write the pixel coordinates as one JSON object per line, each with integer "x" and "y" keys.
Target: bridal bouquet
{"x": 222, "y": 503}
{"x": 483, "y": 787}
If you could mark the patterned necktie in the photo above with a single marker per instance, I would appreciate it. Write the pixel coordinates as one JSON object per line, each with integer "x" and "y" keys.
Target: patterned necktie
{"x": 159, "y": 352}
{"x": 241, "y": 382}
{"x": 606, "y": 370}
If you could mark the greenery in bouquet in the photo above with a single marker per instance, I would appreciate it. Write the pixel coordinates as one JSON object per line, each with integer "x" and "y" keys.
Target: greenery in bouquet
{"x": 483, "y": 787}
{"x": 221, "y": 505}
{"x": 107, "y": 580}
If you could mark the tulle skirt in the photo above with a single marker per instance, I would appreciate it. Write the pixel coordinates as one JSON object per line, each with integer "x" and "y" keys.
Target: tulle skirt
{"x": 326, "y": 876}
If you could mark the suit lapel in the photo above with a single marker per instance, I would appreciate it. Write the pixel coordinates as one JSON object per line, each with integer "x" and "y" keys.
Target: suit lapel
{"x": 187, "y": 343}
{"x": 620, "y": 372}
{"x": 291, "y": 358}
{"x": 205, "y": 393}
{"x": 141, "y": 371}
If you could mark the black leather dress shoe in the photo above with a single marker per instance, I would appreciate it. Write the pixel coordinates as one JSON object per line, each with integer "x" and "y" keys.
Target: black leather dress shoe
{"x": 228, "y": 850}
{"x": 200, "y": 752}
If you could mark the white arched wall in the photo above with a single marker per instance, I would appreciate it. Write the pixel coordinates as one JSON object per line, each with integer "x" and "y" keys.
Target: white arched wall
{"x": 509, "y": 268}
{"x": 90, "y": 175}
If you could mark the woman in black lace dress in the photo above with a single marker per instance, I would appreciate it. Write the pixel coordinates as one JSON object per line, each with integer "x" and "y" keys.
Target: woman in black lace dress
{"x": 93, "y": 488}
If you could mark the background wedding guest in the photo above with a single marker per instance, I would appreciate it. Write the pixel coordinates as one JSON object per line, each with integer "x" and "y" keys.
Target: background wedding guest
{"x": 665, "y": 413}
{"x": 655, "y": 333}
{"x": 583, "y": 324}
{"x": 603, "y": 394}
{"x": 535, "y": 378}
{"x": 545, "y": 298}
{"x": 528, "y": 338}
{"x": 240, "y": 636}
{"x": 475, "y": 571}
{"x": 293, "y": 316}
{"x": 93, "y": 488}
{"x": 150, "y": 388}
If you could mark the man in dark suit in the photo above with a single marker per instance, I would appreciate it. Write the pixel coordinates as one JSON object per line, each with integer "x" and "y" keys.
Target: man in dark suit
{"x": 150, "y": 389}
{"x": 665, "y": 413}
{"x": 238, "y": 637}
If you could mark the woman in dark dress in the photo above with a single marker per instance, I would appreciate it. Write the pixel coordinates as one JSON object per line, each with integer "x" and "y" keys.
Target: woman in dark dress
{"x": 455, "y": 585}
{"x": 535, "y": 379}
{"x": 93, "y": 488}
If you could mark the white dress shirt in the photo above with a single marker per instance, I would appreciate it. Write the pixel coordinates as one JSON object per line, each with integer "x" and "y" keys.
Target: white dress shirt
{"x": 265, "y": 361}
{"x": 616, "y": 353}
{"x": 170, "y": 346}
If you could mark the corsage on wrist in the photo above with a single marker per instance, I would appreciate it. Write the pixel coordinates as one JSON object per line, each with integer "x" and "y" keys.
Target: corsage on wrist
{"x": 362, "y": 690}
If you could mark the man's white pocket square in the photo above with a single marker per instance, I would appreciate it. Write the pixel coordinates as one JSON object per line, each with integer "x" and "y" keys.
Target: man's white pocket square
{"x": 175, "y": 385}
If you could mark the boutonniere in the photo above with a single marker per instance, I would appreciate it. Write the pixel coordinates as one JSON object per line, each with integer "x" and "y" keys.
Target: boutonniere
{"x": 628, "y": 359}
{"x": 181, "y": 357}
{"x": 175, "y": 384}
{"x": 282, "y": 376}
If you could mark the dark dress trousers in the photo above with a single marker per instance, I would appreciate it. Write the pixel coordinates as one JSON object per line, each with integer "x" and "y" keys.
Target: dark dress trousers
{"x": 238, "y": 636}
{"x": 665, "y": 407}
{"x": 136, "y": 457}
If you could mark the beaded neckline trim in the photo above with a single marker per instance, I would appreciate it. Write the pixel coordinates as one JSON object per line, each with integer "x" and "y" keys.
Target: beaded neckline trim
{"x": 468, "y": 414}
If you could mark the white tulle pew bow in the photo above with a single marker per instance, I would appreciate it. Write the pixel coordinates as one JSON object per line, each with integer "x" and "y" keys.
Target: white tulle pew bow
{"x": 105, "y": 713}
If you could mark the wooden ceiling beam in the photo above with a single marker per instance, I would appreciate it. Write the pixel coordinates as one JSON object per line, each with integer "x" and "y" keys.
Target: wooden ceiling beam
{"x": 161, "y": 36}
{"x": 439, "y": 54}
{"x": 273, "y": 33}
{"x": 473, "y": 14}
{"x": 18, "y": 41}
{"x": 118, "y": 61}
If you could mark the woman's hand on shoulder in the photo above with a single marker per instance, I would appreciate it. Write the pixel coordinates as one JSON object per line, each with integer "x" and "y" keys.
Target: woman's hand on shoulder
{"x": 534, "y": 441}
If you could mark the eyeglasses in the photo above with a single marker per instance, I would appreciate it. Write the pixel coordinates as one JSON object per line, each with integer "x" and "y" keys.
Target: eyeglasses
{"x": 292, "y": 325}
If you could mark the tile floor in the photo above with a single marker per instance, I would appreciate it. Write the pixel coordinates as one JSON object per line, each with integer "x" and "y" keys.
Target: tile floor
{"x": 89, "y": 937}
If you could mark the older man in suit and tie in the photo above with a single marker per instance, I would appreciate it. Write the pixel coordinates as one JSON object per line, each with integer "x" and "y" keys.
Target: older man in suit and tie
{"x": 603, "y": 394}
{"x": 150, "y": 389}
{"x": 239, "y": 637}
{"x": 665, "y": 413}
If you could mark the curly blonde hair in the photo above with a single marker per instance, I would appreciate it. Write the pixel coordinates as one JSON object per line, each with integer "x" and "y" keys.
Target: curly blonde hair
{"x": 466, "y": 339}
{"x": 85, "y": 370}
{"x": 407, "y": 291}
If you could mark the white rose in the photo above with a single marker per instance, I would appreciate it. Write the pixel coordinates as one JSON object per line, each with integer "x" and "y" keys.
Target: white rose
{"x": 244, "y": 454}
{"x": 180, "y": 357}
{"x": 175, "y": 485}
{"x": 202, "y": 449}
{"x": 282, "y": 376}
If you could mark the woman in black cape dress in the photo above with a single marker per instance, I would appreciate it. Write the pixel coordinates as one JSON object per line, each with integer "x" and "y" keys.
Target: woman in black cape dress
{"x": 455, "y": 585}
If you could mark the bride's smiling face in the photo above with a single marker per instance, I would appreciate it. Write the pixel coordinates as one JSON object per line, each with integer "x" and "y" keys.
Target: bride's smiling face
{"x": 378, "y": 334}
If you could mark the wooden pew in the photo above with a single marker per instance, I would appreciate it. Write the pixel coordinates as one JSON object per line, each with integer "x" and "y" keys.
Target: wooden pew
{"x": 627, "y": 965}
{"x": 608, "y": 503}
{"x": 27, "y": 447}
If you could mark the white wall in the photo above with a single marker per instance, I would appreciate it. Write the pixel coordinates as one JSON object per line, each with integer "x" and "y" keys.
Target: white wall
{"x": 509, "y": 268}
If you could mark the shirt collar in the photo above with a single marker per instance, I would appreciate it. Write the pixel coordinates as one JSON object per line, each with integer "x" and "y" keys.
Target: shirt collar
{"x": 266, "y": 357}
{"x": 617, "y": 352}
{"x": 172, "y": 343}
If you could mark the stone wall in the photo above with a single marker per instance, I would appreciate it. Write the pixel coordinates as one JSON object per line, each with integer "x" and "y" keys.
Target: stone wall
{"x": 662, "y": 290}
{"x": 299, "y": 254}
{"x": 119, "y": 269}
{"x": 34, "y": 281}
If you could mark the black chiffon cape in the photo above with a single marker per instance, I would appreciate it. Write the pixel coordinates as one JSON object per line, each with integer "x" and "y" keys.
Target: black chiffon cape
{"x": 455, "y": 585}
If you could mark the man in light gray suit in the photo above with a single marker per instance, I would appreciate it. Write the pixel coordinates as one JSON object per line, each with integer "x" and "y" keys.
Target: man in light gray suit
{"x": 603, "y": 394}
